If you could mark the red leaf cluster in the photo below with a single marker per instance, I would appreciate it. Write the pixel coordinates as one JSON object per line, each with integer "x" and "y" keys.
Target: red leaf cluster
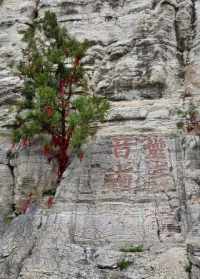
{"x": 25, "y": 142}
{"x": 81, "y": 156}
{"x": 26, "y": 204}
{"x": 46, "y": 150}
{"x": 77, "y": 61}
{"x": 49, "y": 110}
{"x": 50, "y": 202}
{"x": 62, "y": 87}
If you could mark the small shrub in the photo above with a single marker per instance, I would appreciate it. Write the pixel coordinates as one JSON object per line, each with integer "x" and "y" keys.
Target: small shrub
{"x": 8, "y": 219}
{"x": 188, "y": 267}
{"x": 50, "y": 192}
{"x": 124, "y": 264}
{"x": 189, "y": 119}
{"x": 133, "y": 249}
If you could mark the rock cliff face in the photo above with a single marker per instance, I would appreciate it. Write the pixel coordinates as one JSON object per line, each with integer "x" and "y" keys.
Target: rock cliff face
{"x": 139, "y": 181}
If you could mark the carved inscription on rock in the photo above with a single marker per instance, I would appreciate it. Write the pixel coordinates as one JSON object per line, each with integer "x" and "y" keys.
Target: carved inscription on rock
{"x": 139, "y": 163}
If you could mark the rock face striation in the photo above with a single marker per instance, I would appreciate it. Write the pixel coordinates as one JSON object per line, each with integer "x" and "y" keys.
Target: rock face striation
{"x": 131, "y": 208}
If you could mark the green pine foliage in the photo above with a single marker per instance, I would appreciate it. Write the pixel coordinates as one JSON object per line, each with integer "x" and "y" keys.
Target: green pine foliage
{"x": 51, "y": 69}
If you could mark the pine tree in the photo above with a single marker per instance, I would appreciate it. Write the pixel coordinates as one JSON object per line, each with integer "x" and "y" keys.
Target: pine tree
{"x": 52, "y": 72}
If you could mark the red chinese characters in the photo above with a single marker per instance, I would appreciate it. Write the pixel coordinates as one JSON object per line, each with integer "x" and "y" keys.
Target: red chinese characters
{"x": 120, "y": 178}
{"x": 121, "y": 146}
{"x": 137, "y": 160}
{"x": 155, "y": 148}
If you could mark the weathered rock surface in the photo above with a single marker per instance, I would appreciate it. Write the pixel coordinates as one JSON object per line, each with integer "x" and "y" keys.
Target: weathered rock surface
{"x": 138, "y": 183}
{"x": 33, "y": 174}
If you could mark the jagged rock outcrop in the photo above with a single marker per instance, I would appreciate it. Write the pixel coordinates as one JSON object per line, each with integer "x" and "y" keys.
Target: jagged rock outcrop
{"x": 138, "y": 183}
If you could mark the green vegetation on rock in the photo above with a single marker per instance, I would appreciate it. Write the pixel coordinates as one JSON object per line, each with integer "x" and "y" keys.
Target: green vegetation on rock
{"x": 133, "y": 249}
{"x": 124, "y": 264}
{"x": 56, "y": 100}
